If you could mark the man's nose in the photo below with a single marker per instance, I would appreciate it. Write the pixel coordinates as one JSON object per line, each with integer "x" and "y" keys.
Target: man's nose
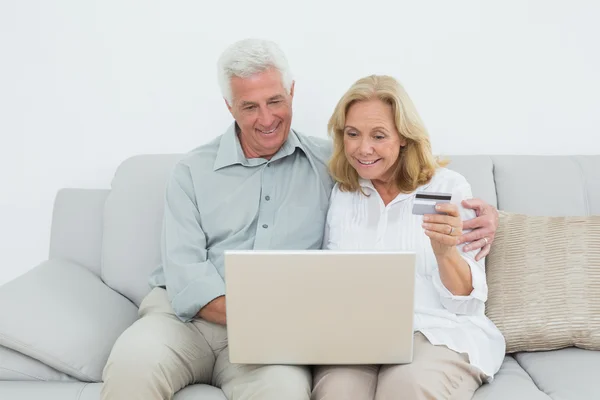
{"x": 265, "y": 117}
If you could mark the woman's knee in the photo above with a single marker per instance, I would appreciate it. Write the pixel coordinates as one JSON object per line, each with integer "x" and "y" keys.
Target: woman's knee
{"x": 403, "y": 380}
{"x": 423, "y": 381}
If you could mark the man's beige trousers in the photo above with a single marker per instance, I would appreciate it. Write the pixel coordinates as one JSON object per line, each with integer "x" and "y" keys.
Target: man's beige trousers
{"x": 160, "y": 355}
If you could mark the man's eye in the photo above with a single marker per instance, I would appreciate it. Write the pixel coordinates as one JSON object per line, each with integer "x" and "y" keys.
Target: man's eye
{"x": 250, "y": 108}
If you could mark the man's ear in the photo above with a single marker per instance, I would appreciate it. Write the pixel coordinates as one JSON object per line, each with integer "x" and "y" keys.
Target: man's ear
{"x": 292, "y": 89}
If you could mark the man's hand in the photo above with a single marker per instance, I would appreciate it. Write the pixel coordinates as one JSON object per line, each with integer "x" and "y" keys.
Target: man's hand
{"x": 483, "y": 227}
{"x": 214, "y": 311}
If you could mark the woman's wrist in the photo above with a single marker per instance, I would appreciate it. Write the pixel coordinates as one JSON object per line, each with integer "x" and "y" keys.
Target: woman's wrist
{"x": 450, "y": 257}
{"x": 455, "y": 272}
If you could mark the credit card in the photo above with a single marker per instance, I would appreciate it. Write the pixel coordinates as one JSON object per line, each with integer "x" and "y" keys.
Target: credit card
{"x": 425, "y": 202}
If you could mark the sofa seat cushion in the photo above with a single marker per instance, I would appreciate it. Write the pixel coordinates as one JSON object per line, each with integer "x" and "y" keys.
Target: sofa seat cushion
{"x": 15, "y": 366}
{"x": 89, "y": 391}
{"x": 566, "y": 374}
{"x": 511, "y": 382}
{"x": 49, "y": 390}
{"x": 543, "y": 276}
{"x": 63, "y": 315}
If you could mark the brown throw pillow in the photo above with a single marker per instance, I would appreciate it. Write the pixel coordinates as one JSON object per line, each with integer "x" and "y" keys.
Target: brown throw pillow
{"x": 543, "y": 275}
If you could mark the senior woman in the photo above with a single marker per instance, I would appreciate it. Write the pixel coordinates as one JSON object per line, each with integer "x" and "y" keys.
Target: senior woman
{"x": 382, "y": 157}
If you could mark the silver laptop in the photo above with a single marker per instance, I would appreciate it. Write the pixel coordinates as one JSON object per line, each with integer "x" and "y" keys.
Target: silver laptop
{"x": 320, "y": 307}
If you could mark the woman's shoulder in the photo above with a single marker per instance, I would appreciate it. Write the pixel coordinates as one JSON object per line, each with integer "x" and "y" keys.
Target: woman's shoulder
{"x": 339, "y": 194}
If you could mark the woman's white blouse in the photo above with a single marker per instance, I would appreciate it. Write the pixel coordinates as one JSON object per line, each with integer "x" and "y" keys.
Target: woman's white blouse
{"x": 359, "y": 222}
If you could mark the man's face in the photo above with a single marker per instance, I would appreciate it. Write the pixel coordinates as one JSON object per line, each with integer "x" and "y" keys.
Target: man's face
{"x": 263, "y": 110}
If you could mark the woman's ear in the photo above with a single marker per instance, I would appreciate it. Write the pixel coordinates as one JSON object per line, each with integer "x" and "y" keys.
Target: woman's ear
{"x": 403, "y": 142}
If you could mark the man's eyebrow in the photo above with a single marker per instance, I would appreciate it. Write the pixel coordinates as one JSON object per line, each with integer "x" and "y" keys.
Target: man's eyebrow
{"x": 246, "y": 103}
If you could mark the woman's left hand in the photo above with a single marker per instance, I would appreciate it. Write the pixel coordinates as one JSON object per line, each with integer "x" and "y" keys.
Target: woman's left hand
{"x": 443, "y": 230}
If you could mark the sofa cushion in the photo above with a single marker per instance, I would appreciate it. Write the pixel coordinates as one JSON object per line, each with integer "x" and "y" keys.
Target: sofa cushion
{"x": 542, "y": 185}
{"x": 543, "y": 278}
{"x": 89, "y": 391}
{"x": 49, "y": 390}
{"x": 511, "y": 382}
{"x": 62, "y": 314}
{"x": 77, "y": 227}
{"x": 566, "y": 374}
{"x": 15, "y": 366}
{"x": 479, "y": 172}
{"x": 133, "y": 217}
{"x": 590, "y": 165}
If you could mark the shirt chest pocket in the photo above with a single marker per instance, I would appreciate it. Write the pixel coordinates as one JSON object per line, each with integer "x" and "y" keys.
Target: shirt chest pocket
{"x": 301, "y": 227}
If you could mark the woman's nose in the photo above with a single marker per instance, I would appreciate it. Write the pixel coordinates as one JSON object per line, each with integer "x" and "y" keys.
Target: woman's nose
{"x": 365, "y": 147}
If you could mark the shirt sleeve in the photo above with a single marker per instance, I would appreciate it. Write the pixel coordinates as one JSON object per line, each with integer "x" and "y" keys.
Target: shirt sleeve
{"x": 474, "y": 303}
{"x": 192, "y": 281}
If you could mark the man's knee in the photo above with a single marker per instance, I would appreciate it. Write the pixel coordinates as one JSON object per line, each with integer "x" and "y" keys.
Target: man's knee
{"x": 344, "y": 382}
{"x": 273, "y": 382}
{"x": 134, "y": 357}
{"x": 158, "y": 357}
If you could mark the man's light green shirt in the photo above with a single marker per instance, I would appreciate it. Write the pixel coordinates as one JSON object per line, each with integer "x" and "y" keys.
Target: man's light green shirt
{"x": 217, "y": 200}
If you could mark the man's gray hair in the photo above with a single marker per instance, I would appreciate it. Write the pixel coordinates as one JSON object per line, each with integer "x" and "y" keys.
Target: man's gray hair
{"x": 249, "y": 57}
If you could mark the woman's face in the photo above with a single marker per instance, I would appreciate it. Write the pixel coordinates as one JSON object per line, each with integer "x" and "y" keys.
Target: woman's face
{"x": 371, "y": 141}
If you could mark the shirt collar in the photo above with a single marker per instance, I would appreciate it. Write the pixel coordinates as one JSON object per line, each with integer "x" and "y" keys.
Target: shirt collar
{"x": 367, "y": 184}
{"x": 230, "y": 150}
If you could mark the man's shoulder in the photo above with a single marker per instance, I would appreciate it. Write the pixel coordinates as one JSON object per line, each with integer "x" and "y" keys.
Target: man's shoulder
{"x": 203, "y": 155}
{"x": 320, "y": 148}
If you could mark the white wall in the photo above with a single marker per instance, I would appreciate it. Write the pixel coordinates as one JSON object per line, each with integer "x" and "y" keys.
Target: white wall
{"x": 85, "y": 84}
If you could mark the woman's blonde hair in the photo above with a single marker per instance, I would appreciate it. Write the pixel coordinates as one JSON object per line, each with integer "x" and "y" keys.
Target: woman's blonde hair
{"x": 416, "y": 163}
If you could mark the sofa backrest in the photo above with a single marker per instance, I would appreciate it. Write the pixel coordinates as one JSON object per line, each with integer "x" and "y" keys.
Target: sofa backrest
{"x": 538, "y": 185}
{"x": 132, "y": 224}
{"x": 132, "y": 220}
{"x": 76, "y": 233}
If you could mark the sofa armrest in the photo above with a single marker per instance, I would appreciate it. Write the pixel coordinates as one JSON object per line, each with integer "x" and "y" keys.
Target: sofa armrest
{"x": 63, "y": 315}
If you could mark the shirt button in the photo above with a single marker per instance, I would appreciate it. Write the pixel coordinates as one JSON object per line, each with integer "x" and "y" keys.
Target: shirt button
{"x": 267, "y": 198}
{"x": 265, "y": 226}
